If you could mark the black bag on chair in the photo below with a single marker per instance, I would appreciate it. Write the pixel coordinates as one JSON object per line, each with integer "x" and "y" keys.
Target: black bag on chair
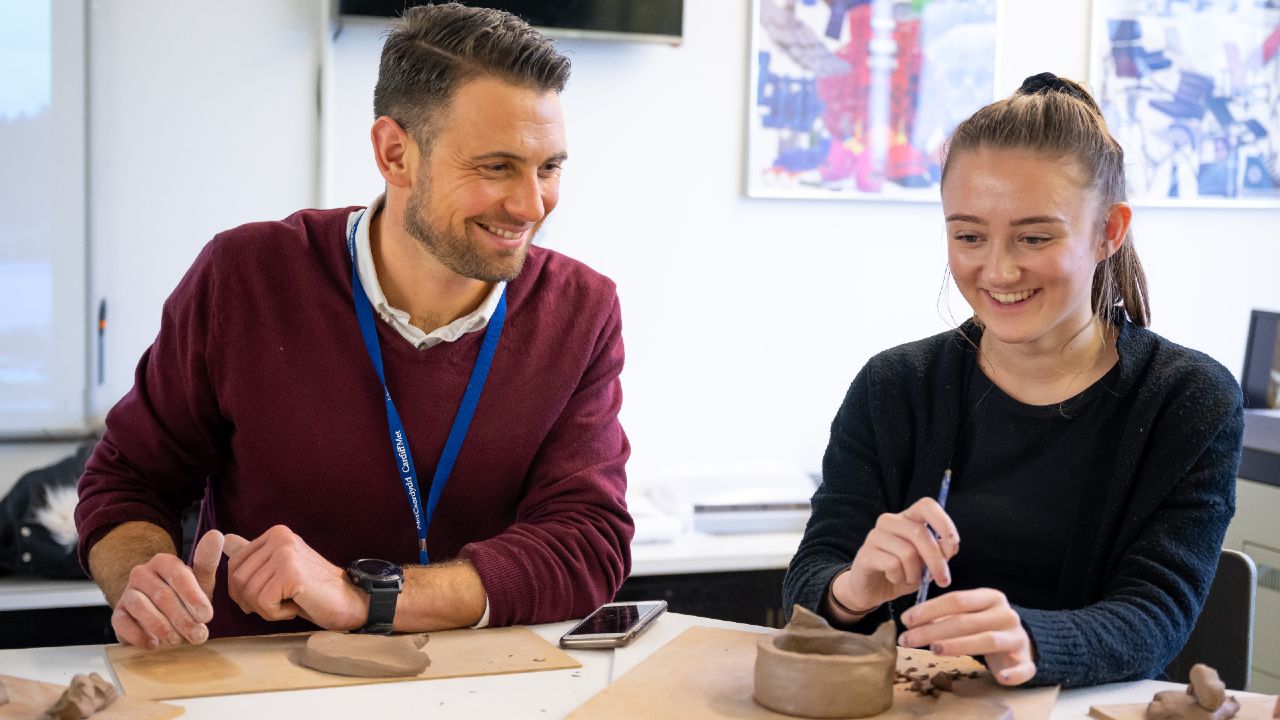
{"x": 27, "y": 545}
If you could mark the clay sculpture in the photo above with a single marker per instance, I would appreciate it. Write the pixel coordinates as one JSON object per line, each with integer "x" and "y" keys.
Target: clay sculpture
{"x": 372, "y": 656}
{"x": 813, "y": 670}
{"x": 86, "y": 695}
{"x": 1205, "y": 699}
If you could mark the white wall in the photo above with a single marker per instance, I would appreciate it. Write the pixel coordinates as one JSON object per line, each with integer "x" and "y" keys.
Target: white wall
{"x": 746, "y": 319}
{"x": 202, "y": 116}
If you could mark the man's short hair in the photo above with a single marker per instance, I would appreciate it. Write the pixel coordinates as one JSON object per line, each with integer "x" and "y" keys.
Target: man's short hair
{"x": 431, "y": 50}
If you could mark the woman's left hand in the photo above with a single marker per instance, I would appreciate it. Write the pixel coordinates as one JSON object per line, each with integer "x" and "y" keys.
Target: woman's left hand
{"x": 973, "y": 622}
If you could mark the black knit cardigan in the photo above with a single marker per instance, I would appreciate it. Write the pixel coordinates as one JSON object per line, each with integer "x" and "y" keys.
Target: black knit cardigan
{"x": 1149, "y": 531}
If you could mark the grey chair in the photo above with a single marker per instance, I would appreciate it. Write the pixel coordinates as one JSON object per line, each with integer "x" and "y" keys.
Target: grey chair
{"x": 1223, "y": 635}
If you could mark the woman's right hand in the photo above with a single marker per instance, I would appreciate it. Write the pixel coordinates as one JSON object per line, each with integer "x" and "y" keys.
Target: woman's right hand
{"x": 893, "y": 557}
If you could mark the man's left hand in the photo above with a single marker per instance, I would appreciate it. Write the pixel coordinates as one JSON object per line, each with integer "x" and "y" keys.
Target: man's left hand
{"x": 279, "y": 577}
{"x": 974, "y": 622}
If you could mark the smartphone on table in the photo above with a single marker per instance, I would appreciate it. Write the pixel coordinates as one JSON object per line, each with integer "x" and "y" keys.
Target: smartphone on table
{"x": 613, "y": 624}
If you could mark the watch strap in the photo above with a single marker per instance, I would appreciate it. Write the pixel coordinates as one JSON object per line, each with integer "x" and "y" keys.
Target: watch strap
{"x": 382, "y": 610}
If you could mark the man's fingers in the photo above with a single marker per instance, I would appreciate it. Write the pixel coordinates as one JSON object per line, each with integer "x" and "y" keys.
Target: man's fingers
{"x": 205, "y": 559}
{"x": 234, "y": 544}
{"x": 128, "y": 631}
{"x": 154, "y": 624}
{"x": 179, "y": 612}
{"x": 179, "y": 581}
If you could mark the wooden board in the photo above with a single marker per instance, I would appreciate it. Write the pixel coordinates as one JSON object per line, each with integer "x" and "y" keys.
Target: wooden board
{"x": 28, "y": 699}
{"x": 708, "y": 673}
{"x": 229, "y": 666}
{"x": 1257, "y": 707}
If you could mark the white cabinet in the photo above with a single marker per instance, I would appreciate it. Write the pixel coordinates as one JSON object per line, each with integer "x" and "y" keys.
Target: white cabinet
{"x": 1256, "y": 531}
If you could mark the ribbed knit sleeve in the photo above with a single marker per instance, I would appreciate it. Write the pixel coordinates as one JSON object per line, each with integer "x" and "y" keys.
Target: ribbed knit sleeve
{"x": 1155, "y": 594}
{"x": 570, "y": 546}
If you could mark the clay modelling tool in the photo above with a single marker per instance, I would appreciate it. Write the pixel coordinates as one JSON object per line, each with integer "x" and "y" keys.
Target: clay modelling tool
{"x": 926, "y": 578}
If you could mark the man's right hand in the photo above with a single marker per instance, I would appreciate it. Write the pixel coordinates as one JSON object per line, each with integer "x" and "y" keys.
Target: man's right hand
{"x": 165, "y": 602}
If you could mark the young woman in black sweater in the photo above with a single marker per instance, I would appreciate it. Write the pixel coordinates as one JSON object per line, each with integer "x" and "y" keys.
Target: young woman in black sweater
{"x": 1093, "y": 461}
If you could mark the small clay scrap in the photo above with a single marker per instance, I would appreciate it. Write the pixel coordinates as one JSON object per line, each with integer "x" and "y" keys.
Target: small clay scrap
{"x": 1205, "y": 699}
{"x": 372, "y": 656}
{"x": 86, "y": 695}
{"x": 942, "y": 681}
{"x": 811, "y": 669}
{"x": 4, "y": 694}
{"x": 926, "y": 685}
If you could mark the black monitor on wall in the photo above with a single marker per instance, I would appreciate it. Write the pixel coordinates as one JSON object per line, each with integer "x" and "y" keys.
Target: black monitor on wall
{"x": 1261, "y": 379}
{"x": 660, "y": 20}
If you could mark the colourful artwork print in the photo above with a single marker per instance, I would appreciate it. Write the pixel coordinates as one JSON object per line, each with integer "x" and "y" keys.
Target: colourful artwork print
{"x": 1191, "y": 88}
{"x": 854, "y": 98}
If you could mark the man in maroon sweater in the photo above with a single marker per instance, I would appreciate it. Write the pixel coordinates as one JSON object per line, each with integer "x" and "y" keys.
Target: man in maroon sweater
{"x": 261, "y": 397}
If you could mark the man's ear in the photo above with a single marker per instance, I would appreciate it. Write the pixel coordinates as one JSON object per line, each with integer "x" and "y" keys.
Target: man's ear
{"x": 394, "y": 150}
{"x": 1115, "y": 230}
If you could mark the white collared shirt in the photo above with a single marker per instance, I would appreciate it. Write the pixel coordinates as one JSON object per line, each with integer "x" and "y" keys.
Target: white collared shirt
{"x": 478, "y": 319}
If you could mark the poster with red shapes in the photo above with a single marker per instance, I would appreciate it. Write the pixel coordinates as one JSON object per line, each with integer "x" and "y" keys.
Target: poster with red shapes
{"x": 854, "y": 98}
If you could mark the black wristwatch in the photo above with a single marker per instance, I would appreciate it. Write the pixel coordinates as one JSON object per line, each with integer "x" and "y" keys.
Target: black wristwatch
{"x": 383, "y": 581}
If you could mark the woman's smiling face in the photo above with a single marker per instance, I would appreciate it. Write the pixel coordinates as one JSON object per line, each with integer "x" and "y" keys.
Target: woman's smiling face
{"x": 1023, "y": 240}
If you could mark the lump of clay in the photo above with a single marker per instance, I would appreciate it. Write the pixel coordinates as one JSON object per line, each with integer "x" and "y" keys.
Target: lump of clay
{"x": 1206, "y": 687}
{"x": 811, "y": 669}
{"x": 365, "y": 655}
{"x": 1205, "y": 699}
{"x": 86, "y": 695}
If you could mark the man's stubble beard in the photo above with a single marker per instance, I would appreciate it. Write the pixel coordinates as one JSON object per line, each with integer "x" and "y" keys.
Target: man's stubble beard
{"x": 457, "y": 252}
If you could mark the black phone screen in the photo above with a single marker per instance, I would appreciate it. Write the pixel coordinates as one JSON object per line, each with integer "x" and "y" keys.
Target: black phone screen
{"x": 614, "y": 619}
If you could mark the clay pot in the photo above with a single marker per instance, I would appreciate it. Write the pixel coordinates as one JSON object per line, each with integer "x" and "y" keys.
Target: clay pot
{"x": 813, "y": 670}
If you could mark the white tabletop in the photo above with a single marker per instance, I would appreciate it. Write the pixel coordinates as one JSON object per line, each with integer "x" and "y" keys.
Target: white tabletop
{"x": 546, "y": 694}
{"x": 702, "y": 553}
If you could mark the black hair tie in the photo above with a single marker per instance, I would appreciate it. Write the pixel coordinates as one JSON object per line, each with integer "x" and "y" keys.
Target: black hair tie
{"x": 1048, "y": 82}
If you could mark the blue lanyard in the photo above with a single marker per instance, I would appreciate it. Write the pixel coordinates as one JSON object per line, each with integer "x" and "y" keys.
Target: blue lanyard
{"x": 461, "y": 422}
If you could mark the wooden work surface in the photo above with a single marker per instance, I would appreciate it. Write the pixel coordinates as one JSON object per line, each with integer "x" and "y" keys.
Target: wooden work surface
{"x": 28, "y": 699}
{"x": 708, "y": 673}
{"x": 229, "y": 666}
{"x": 1257, "y": 707}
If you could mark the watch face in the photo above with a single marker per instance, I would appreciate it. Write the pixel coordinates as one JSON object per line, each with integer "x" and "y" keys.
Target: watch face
{"x": 376, "y": 569}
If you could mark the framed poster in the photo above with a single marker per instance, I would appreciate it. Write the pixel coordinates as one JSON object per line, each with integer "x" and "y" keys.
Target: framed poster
{"x": 854, "y": 98}
{"x": 1191, "y": 89}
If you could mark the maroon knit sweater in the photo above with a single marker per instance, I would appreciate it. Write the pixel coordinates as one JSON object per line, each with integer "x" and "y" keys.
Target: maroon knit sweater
{"x": 258, "y": 396}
